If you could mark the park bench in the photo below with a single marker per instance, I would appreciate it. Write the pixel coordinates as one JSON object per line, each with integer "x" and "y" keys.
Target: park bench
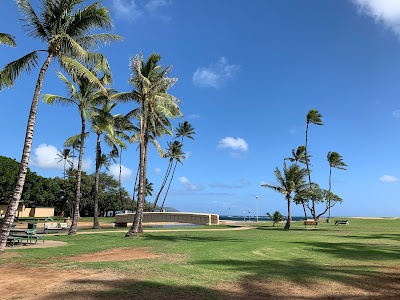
{"x": 54, "y": 226}
{"x": 13, "y": 240}
{"x": 342, "y": 222}
{"x": 310, "y": 222}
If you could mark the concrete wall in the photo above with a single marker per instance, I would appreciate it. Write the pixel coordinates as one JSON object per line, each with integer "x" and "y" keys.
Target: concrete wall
{"x": 178, "y": 217}
{"x": 35, "y": 212}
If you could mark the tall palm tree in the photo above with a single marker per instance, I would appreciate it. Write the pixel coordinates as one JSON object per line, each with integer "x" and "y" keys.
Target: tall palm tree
{"x": 313, "y": 117}
{"x": 65, "y": 156}
{"x": 183, "y": 130}
{"x": 289, "y": 182}
{"x": 85, "y": 96}
{"x": 7, "y": 39}
{"x": 150, "y": 84}
{"x": 178, "y": 156}
{"x": 66, "y": 32}
{"x": 173, "y": 151}
{"x": 335, "y": 160}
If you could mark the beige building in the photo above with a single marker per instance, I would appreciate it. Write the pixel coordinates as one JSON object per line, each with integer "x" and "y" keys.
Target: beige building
{"x": 32, "y": 212}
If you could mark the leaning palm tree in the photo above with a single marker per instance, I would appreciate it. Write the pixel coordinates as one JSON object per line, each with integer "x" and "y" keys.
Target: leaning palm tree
{"x": 150, "y": 84}
{"x": 177, "y": 155}
{"x": 67, "y": 33}
{"x": 313, "y": 117}
{"x": 7, "y": 39}
{"x": 289, "y": 182}
{"x": 85, "y": 96}
{"x": 65, "y": 155}
{"x": 335, "y": 160}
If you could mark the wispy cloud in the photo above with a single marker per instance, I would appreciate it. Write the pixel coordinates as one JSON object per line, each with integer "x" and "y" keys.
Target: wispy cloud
{"x": 45, "y": 156}
{"x": 389, "y": 178}
{"x": 189, "y": 186}
{"x": 396, "y": 113}
{"x": 215, "y": 75}
{"x": 126, "y": 173}
{"x": 133, "y": 10}
{"x": 237, "y": 144}
{"x": 157, "y": 171}
{"x": 386, "y": 12}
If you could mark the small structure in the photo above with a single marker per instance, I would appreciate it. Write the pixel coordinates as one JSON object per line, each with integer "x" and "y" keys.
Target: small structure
{"x": 175, "y": 217}
{"x": 33, "y": 212}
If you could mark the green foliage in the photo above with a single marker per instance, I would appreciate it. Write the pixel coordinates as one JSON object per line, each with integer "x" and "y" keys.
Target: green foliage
{"x": 38, "y": 191}
{"x": 276, "y": 217}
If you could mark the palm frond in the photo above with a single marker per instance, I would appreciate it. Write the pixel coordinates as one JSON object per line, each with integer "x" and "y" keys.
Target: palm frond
{"x": 7, "y": 39}
{"x": 32, "y": 22}
{"x": 12, "y": 71}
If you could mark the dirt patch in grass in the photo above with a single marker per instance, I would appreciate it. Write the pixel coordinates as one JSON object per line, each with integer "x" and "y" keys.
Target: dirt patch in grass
{"x": 117, "y": 254}
{"x": 39, "y": 244}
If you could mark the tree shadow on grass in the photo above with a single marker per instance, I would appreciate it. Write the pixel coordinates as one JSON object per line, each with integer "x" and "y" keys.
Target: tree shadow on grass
{"x": 266, "y": 279}
{"x": 356, "y": 251}
{"x": 189, "y": 237}
{"x": 391, "y": 236}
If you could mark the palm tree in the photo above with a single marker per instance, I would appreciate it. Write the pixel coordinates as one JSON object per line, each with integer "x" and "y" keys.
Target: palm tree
{"x": 335, "y": 160}
{"x": 300, "y": 156}
{"x": 85, "y": 97}
{"x": 183, "y": 130}
{"x": 65, "y": 156}
{"x": 289, "y": 182}
{"x": 150, "y": 84}
{"x": 313, "y": 117}
{"x": 275, "y": 218}
{"x": 7, "y": 39}
{"x": 67, "y": 35}
{"x": 178, "y": 156}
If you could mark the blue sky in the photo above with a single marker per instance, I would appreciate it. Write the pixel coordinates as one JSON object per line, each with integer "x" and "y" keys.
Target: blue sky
{"x": 249, "y": 71}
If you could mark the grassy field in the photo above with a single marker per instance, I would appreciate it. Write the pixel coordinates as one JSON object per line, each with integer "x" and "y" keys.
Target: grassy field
{"x": 359, "y": 261}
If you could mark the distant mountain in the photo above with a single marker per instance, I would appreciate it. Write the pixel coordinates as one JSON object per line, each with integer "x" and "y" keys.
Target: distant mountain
{"x": 170, "y": 209}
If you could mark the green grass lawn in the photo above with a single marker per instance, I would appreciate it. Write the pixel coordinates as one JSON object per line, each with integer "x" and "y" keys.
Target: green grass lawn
{"x": 202, "y": 259}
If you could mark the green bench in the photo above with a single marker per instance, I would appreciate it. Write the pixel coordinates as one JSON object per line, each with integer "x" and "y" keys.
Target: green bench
{"x": 342, "y": 222}
{"x": 13, "y": 240}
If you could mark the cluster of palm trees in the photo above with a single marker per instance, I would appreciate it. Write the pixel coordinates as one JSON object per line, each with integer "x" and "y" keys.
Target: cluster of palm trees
{"x": 293, "y": 183}
{"x": 69, "y": 31}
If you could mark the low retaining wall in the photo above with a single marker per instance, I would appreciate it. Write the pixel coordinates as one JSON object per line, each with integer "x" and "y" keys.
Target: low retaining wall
{"x": 177, "y": 217}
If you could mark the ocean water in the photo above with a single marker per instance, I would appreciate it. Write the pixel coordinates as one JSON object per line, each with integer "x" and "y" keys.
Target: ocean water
{"x": 254, "y": 218}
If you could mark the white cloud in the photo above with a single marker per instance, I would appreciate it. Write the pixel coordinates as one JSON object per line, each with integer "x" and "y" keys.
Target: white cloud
{"x": 396, "y": 113}
{"x": 383, "y": 11}
{"x": 133, "y": 10}
{"x": 388, "y": 178}
{"x": 126, "y": 173}
{"x": 215, "y": 75}
{"x": 188, "y": 185}
{"x": 127, "y": 10}
{"x": 238, "y": 144}
{"x": 45, "y": 157}
{"x": 157, "y": 171}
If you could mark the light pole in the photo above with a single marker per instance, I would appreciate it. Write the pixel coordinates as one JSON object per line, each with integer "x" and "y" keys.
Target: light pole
{"x": 257, "y": 207}
{"x": 244, "y": 216}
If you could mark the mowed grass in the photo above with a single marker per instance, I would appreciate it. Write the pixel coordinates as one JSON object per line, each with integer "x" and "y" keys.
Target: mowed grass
{"x": 203, "y": 259}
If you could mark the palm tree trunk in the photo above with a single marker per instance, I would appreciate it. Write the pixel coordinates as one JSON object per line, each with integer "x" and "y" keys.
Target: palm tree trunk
{"x": 144, "y": 135}
{"x": 119, "y": 177}
{"x": 169, "y": 185}
{"x": 96, "y": 224}
{"x": 289, "y": 219}
{"x": 309, "y": 173}
{"x": 23, "y": 168}
{"x": 162, "y": 185}
{"x": 329, "y": 200}
{"x": 304, "y": 210}
{"x": 74, "y": 225}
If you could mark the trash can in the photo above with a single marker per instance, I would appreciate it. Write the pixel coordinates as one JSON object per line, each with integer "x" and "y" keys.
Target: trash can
{"x": 32, "y": 225}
